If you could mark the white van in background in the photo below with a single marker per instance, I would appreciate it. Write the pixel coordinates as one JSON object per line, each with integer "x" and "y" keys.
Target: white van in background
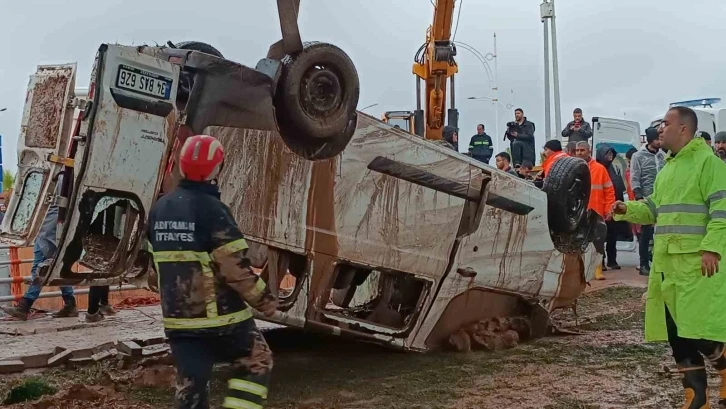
{"x": 710, "y": 119}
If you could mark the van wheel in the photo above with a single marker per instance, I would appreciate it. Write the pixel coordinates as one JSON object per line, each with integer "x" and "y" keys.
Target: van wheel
{"x": 315, "y": 101}
{"x": 568, "y": 191}
{"x": 198, "y": 46}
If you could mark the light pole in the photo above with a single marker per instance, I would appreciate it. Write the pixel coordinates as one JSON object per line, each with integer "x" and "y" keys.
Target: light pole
{"x": 497, "y": 103}
{"x": 3, "y": 109}
{"x": 547, "y": 14}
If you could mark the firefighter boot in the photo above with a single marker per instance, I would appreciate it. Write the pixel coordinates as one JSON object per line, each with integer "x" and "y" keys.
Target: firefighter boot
{"x": 598, "y": 273}
{"x": 20, "y": 311}
{"x": 718, "y": 360}
{"x": 695, "y": 386}
{"x": 69, "y": 309}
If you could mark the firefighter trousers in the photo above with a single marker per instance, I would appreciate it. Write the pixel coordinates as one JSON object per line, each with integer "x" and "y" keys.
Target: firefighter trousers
{"x": 247, "y": 352}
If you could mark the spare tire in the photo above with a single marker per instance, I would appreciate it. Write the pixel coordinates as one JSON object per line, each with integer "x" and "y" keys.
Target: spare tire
{"x": 199, "y": 46}
{"x": 316, "y": 99}
{"x": 568, "y": 192}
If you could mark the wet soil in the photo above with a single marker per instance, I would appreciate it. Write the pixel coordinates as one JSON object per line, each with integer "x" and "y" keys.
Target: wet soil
{"x": 607, "y": 367}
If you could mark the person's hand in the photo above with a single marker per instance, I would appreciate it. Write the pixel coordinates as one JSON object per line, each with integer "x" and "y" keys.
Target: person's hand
{"x": 268, "y": 305}
{"x": 608, "y": 217}
{"x": 619, "y": 208}
{"x": 572, "y": 128}
{"x": 514, "y": 134}
{"x": 709, "y": 263}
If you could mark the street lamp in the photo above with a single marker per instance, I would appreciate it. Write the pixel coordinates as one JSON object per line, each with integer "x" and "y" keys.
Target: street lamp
{"x": 2, "y": 109}
{"x": 369, "y": 106}
{"x": 496, "y": 102}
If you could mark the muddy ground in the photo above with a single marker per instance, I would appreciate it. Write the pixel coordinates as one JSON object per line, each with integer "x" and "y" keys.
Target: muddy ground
{"x": 608, "y": 367}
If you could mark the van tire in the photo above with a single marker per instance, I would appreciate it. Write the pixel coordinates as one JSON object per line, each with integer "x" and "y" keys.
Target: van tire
{"x": 568, "y": 192}
{"x": 199, "y": 46}
{"x": 316, "y": 99}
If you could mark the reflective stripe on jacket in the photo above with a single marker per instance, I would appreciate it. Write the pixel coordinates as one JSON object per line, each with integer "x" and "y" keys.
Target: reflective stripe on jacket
{"x": 689, "y": 206}
{"x": 602, "y": 192}
{"x": 199, "y": 255}
{"x": 547, "y": 164}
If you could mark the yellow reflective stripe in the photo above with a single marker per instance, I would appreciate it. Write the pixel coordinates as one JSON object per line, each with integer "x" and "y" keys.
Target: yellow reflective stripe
{"x": 683, "y": 208}
{"x": 249, "y": 387}
{"x": 200, "y": 323}
{"x": 181, "y": 256}
{"x": 651, "y": 206}
{"x": 258, "y": 290}
{"x": 608, "y": 183}
{"x": 230, "y": 248}
{"x": 680, "y": 229}
{"x": 210, "y": 292}
{"x": 234, "y": 403}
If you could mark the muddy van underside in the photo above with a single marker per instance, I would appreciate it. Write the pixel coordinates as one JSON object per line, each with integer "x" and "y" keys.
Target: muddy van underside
{"x": 367, "y": 231}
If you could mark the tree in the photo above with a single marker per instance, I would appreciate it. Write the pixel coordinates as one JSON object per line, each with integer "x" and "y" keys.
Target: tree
{"x": 8, "y": 180}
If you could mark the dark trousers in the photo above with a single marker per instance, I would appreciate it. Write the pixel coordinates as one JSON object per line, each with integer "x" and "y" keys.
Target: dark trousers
{"x": 611, "y": 248}
{"x": 522, "y": 151}
{"x": 690, "y": 352}
{"x": 97, "y": 296}
{"x": 245, "y": 349}
{"x": 646, "y": 235}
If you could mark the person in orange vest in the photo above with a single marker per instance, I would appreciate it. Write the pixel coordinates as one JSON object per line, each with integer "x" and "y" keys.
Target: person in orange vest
{"x": 552, "y": 152}
{"x": 602, "y": 191}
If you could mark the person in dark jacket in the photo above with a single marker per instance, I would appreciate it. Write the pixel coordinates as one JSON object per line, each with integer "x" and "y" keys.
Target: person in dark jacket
{"x": 503, "y": 161}
{"x": 520, "y": 133}
{"x": 207, "y": 285}
{"x": 577, "y": 130}
{"x": 451, "y": 136}
{"x": 644, "y": 166}
{"x": 605, "y": 156}
{"x": 481, "y": 147}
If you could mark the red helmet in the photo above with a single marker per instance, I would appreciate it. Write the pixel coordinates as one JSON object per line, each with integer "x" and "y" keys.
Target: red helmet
{"x": 201, "y": 158}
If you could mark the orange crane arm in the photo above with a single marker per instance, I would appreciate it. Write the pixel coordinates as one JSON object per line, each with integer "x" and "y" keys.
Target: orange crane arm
{"x": 434, "y": 64}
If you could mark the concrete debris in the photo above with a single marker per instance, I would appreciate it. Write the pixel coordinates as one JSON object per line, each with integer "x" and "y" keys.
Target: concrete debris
{"x": 11, "y": 366}
{"x": 60, "y": 358}
{"x": 491, "y": 335}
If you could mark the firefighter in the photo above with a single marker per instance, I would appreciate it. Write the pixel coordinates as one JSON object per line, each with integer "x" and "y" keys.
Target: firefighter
{"x": 206, "y": 285}
{"x": 685, "y": 303}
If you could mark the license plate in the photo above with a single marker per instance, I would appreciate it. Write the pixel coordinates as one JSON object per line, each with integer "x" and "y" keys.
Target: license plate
{"x": 143, "y": 82}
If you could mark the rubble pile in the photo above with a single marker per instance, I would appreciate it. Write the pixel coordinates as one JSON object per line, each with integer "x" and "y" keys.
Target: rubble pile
{"x": 491, "y": 335}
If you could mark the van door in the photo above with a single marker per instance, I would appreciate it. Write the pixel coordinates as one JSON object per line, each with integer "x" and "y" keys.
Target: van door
{"x": 119, "y": 162}
{"x": 44, "y": 134}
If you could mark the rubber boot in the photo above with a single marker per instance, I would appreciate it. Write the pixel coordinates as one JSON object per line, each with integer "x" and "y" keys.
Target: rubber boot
{"x": 21, "y": 310}
{"x": 695, "y": 386}
{"x": 69, "y": 309}
{"x": 719, "y": 363}
{"x": 598, "y": 273}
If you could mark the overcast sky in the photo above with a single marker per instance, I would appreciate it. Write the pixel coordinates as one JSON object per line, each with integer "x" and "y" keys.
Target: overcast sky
{"x": 617, "y": 57}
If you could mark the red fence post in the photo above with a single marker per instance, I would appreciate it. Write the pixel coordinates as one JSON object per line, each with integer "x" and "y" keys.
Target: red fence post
{"x": 16, "y": 287}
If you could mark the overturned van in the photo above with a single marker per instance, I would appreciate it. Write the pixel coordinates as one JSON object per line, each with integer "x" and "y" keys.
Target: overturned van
{"x": 360, "y": 229}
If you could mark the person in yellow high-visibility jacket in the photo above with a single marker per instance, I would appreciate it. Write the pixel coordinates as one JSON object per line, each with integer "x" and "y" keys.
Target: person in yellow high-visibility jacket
{"x": 686, "y": 301}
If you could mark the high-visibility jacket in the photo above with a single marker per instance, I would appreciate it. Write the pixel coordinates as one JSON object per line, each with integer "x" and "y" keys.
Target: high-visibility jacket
{"x": 602, "y": 191}
{"x": 547, "y": 164}
{"x": 688, "y": 206}
{"x": 200, "y": 258}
